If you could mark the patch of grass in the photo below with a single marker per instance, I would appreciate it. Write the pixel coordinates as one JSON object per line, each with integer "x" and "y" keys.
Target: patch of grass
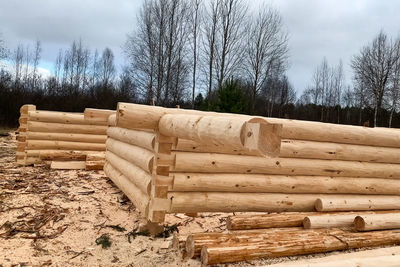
{"x": 104, "y": 241}
{"x": 134, "y": 234}
{"x": 168, "y": 230}
{"x": 116, "y": 228}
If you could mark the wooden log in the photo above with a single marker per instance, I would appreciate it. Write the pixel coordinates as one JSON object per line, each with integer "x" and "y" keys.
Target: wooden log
{"x": 258, "y": 183}
{"x": 47, "y": 127}
{"x": 56, "y": 117}
{"x": 223, "y": 163}
{"x": 311, "y": 241}
{"x": 138, "y": 156}
{"x": 85, "y": 138}
{"x": 26, "y": 108}
{"x": 271, "y": 220}
{"x": 22, "y": 120}
{"x": 334, "y": 259}
{"x": 63, "y": 145}
{"x": 94, "y": 165}
{"x": 112, "y": 120}
{"x": 370, "y": 222}
{"x": 96, "y": 156}
{"x": 187, "y": 202}
{"x": 357, "y": 203}
{"x": 138, "y": 198}
{"x": 97, "y": 116}
{"x": 336, "y": 219}
{"x": 185, "y": 145}
{"x": 136, "y": 175}
{"x": 133, "y": 137}
{"x": 237, "y": 133}
{"x": 324, "y": 150}
{"x": 68, "y": 165}
{"x": 60, "y": 155}
{"x": 141, "y": 116}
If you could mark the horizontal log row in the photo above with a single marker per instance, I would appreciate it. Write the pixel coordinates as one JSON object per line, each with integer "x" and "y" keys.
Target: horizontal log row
{"x": 97, "y": 116}
{"x": 133, "y": 137}
{"x": 63, "y": 145}
{"x": 48, "y": 127}
{"x": 259, "y": 183}
{"x": 83, "y": 138}
{"x": 354, "y": 202}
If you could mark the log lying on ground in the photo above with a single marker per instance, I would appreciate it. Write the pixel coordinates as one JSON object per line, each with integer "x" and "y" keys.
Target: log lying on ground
{"x": 262, "y": 221}
{"x": 236, "y": 133}
{"x": 138, "y": 156}
{"x": 290, "y": 244}
{"x": 57, "y": 117}
{"x": 47, "y": 127}
{"x": 133, "y": 137}
{"x": 188, "y": 202}
{"x": 223, "y": 163}
{"x": 355, "y": 203}
{"x": 369, "y": 222}
{"x": 324, "y": 261}
{"x": 85, "y": 138}
{"x": 257, "y": 183}
{"x": 68, "y": 165}
{"x": 142, "y": 116}
{"x": 136, "y": 175}
{"x": 58, "y": 154}
{"x": 63, "y": 145}
{"x": 95, "y": 161}
{"x": 97, "y": 116}
{"x": 324, "y": 150}
{"x": 337, "y": 219}
{"x": 140, "y": 200}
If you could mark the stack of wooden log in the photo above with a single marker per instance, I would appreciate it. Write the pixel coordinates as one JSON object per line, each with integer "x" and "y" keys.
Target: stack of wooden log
{"x": 65, "y": 140}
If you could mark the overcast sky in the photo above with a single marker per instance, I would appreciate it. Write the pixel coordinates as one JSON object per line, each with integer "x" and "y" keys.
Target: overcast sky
{"x": 336, "y": 29}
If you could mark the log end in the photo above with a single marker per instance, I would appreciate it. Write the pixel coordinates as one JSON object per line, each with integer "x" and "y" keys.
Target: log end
{"x": 229, "y": 223}
{"x": 258, "y": 135}
{"x": 190, "y": 247}
{"x": 307, "y": 223}
{"x": 319, "y": 206}
{"x": 359, "y": 223}
{"x": 204, "y": 256}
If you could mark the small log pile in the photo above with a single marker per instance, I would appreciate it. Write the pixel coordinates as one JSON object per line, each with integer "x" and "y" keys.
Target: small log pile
{"x": 63, "y": 139}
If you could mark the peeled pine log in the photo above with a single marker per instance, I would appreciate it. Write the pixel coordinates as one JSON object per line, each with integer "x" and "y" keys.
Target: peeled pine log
{"x": 258, "y": 183}
{"x": 193, "y": 146}
{"x": 271, "y": 220}
{"x": 332, "y": 151}
{"x": 94, "y": 165}
{"x": 133, "y": 137}
{"x": 63, "y": 145}
{"x": 333, "y": 260}
{"x": 223, "y": 163}
{"x": 136, "y": 175}
{"x": 48, "y": 127}
{"x": 238, "y": 133}
{"x": 59, "y": 154}
{"x": 140, "y": 200}
{"x": 56, "y": 117}
{"x": 355, "y": 203}
{"x": 68, "y": 165}
{"x": 99, "y": 156}
{"x": 138, "y": 156}
{"x": 141, "y": 116}
{"x": 290, "y": 244}
{"x": 97, "y": 116}
{"x": 84, "y": 138}
{"x": 112, "y": 120}
{"x": 26, "y": 108}
{"x": 188, "y": 202}
{"x": 370, "y": 222}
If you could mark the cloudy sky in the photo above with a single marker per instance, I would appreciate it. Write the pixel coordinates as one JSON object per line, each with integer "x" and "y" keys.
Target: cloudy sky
{"x": 335, "y": 29}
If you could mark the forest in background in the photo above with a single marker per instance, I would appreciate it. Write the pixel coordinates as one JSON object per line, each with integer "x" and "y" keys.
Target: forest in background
{"x": 214, "y": 55}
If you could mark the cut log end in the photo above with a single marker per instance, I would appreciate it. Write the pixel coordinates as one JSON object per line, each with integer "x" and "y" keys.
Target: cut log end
{"x": 204, "y": 256}
{"x": 319, "y": 205}
{"x": 359, "y": 223}
{"x": 190, "y": 247}
{"x": 307, "y": 223}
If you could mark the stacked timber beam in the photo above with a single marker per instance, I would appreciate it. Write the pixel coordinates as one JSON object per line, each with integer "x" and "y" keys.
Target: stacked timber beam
{"x": 65, "y": 140}
{"x": 21, "y": 138}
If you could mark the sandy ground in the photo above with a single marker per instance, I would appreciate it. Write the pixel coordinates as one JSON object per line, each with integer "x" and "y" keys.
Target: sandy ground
{"x": 53, "y": 218}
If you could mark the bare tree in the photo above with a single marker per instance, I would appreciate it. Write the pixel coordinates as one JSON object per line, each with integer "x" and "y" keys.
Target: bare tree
{"x": 18, "y": 58}
{"x": 374, "y": 65}
{"x": 3, "y": 50}
{"x": 36, "y": 59}
{"x": 394, "y": 84}
{"x": 107, "y": 67}
{"x": 266, "y": 49}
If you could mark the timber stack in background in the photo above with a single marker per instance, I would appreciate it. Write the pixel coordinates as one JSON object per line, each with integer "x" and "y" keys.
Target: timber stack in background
{"x": 62, "y": 139}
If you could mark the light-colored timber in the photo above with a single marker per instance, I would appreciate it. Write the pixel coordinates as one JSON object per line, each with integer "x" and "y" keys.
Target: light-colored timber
{"x": 68, "y": 165}
{"x": 370, "y": 222}
{"x": 97, "y": 116}
{"x": 112, "y": 120}
{"x": 357, "y": 203}
{"x": 136, "y": 175}
{"x": 63, "y": 145}
{"x": 56, "y": 117}
{"x": 133, "y": 137}
{"x": 61, "y": 155}
{"x": 236, "y": 133}
{"x": 289, "y": 244}
{"x": 140, "y": 157}
{"x": 85, "y": 138}
{"x": 258, "y": 183}
{"x": 138, "y": 198}
{"x": 223, "y": 163}
{"x": 48, "y": 127}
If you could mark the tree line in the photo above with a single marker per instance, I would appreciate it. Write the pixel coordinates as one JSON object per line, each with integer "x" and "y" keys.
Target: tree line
{"x": 219, "y": 55}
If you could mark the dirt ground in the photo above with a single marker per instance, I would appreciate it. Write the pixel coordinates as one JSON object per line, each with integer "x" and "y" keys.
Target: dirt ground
{"x": 63, "y": 218}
